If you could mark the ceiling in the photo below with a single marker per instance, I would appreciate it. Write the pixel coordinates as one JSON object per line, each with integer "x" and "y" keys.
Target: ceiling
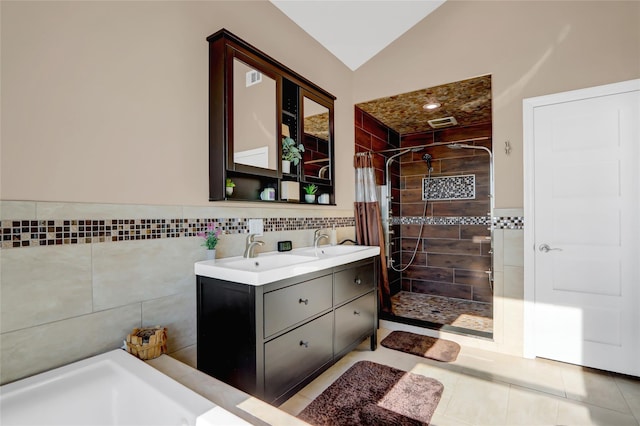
{"x": 468, "y": 101}
{"x": 356, "y": 30}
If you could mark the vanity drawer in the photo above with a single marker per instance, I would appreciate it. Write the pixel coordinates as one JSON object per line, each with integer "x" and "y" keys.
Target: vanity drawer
{"x": 353, "y": 282}
{"x": 290, "y": 305}
{"x": 290, "y": 358}
{"x": 354, "y": 320}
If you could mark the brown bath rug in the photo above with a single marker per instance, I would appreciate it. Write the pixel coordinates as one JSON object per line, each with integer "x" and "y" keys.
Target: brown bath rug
{"x": 374, "y": 394}
{"x": 424, "y": 346}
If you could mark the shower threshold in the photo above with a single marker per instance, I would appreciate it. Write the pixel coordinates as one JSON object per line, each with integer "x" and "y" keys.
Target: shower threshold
{"x": 441, "y": 313}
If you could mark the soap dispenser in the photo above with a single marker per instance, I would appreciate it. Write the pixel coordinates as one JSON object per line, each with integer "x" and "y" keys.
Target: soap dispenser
{"x": 333, "y": 237}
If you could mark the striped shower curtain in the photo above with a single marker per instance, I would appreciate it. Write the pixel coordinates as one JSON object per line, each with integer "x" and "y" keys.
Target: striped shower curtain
{"x": 369, "y": 222}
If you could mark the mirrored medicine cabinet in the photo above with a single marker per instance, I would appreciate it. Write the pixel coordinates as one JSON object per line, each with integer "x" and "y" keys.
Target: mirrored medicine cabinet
{"x": 255, "y": 102}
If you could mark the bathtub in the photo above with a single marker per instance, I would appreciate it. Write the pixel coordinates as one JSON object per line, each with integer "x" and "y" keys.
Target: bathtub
{"x": 113, "y": 388}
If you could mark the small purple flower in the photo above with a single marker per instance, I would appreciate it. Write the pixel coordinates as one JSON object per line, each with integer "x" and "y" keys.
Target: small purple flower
{"x": 211, "y": 236}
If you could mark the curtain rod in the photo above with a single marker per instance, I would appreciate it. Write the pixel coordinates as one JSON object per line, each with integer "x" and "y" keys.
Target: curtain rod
{"x": 430, "y": 145}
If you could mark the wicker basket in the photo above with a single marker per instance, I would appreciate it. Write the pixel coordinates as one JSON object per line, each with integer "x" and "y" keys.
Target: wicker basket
{"x": 147, "y": 343}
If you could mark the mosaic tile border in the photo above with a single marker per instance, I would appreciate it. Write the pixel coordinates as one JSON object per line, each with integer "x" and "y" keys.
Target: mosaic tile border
{"x": 509, "y": 222}
{"x": 460, "y": 187}
{"x": 34, "y": 233}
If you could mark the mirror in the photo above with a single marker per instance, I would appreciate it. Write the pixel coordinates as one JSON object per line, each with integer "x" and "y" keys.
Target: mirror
{"x": 253, "y": 101}
{"x": 316, "y": 140}
{"x": 255, "y": 117}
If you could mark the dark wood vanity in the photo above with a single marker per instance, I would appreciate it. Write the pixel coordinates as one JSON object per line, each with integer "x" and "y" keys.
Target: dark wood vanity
{"x": 255, "y": 101}
{"x": 271, "y": 340}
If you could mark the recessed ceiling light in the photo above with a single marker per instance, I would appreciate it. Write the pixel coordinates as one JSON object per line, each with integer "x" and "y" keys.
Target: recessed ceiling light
{"x": 432, "y": 105}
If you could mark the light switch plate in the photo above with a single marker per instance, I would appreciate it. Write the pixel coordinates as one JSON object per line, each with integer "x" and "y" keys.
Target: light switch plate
{"x": 256, "y": 226}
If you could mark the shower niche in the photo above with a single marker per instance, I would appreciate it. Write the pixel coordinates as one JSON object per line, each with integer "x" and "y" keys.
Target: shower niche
{"x": 438, "y": 191}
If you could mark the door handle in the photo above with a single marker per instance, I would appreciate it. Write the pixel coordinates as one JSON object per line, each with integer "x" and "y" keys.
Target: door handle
{"x": 545, "y": 248}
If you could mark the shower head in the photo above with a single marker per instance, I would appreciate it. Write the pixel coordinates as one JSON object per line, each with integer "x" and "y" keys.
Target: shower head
{"x": 465, "y": 146}
{"x": 458, "y": 146}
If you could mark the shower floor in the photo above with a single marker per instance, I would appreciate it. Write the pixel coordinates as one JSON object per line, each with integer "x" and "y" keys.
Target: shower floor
{"x": 463, "y": 314}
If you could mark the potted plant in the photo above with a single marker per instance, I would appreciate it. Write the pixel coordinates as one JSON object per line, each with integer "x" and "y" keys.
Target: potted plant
{"x": 229, "y": 187}
{"x": 211, "y": 237}
{"x": 310, "y": 192}
{"x": 291, "y": 153}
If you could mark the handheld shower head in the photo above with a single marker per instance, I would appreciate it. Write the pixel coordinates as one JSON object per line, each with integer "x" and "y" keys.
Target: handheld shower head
{"x": 427, "y": 158}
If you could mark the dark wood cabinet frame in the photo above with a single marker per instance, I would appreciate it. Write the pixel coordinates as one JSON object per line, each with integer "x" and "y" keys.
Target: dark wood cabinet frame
{"x": 223, "y": 48}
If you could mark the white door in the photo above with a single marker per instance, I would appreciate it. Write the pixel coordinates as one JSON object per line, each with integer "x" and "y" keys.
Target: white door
{"x": 585, "y": 232}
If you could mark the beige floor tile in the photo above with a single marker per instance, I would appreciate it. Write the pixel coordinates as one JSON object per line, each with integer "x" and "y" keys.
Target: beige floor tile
{"x": 593, "y": 387}
{"x": 630, "y": 388}
{"x": 295, "y": 404}
{"x": 575, "y": 413}
{"x": 528, "y": 407}
{"x": 479, "y": 402}
{"x": 484, "y": 387}
{"x": 439, "y": 419}
{"x": 544, "y": 377}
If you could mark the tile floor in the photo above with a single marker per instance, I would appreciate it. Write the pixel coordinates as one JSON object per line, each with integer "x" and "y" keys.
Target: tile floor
{"x": 459, "y": 313}
{"x": 487, "y": 388}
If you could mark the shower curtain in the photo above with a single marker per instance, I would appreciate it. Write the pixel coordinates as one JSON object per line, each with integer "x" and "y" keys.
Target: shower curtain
{"x": 369, "y": 222}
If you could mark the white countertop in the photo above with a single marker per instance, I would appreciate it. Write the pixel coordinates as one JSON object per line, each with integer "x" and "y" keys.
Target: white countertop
{"x": 274, "y": 266}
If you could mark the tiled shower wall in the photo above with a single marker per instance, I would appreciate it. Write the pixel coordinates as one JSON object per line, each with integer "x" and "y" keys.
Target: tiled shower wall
{"x": 372, "y": 135}
{"x": 453, "y": 251}
{"x": 75, "y": 279}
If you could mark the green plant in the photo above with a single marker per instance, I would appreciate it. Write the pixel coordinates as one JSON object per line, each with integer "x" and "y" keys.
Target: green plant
{"x": 230, "y": 183}
{"x": 211, "y": 236}
{"x": 291, "y": 151}
{"x": 310, "y": 189}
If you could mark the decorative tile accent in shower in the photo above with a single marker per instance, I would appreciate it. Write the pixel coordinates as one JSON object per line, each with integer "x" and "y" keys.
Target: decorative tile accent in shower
{"x": 462, "y": 187}
{"x": 32, "y": 233}
{"x": 440, "y": 220}
{"x": 498, "y": 222}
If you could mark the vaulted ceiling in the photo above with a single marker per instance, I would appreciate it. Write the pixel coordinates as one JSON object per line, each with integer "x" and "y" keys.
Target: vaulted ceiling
{"x": 356, "y": 30}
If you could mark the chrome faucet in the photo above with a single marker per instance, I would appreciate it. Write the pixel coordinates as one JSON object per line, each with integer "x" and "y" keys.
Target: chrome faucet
{"x": 317, "y": 236}
{"x": 249, "y": 249}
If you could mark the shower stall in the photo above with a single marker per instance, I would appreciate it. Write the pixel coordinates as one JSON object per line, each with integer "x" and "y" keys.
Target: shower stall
{"x": 436, "y": 201}
{"x": 437, "y": 205}
{"x": 433, "y": 161}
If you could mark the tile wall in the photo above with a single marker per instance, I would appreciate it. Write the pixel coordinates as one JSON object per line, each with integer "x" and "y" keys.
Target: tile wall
{"x": 453, "y": 251}
{"x": 508, "y": 264}
{"x": 77, "y": 278}
{"x": 372, "y": 135}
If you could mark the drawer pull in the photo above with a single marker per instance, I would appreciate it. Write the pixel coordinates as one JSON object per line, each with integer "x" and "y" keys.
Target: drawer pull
{"x": 356, "y": 313}
{"x": 358, "y": 281}
{"x": 303, "y": 343}
{"x": 305, "y": 301}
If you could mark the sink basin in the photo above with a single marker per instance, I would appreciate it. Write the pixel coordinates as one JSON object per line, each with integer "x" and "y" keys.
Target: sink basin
{"x": 264, "y": 263}
{"x": 274, "y": 266}
{"x": 329, "y": 251}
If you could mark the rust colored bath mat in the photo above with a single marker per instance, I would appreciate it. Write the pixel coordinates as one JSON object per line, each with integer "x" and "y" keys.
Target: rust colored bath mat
{"x": 424, "y": 346}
